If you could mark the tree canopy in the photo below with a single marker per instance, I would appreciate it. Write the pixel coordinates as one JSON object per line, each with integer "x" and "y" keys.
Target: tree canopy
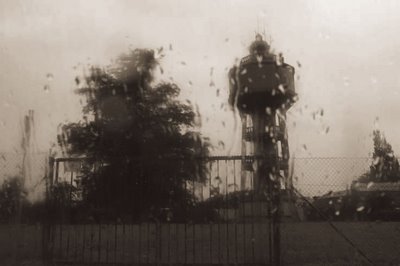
{"x": 385, "y": 166}
{"x": 140, "y": 140}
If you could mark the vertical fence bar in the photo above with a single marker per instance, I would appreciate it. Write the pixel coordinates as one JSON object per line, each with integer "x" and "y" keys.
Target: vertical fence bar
{"x": 91, "y": 243}
{"x": 219, "y": 214}
{"x": 177, "y": 242}
{"x": 159, "y": 233}
{"x": 125, "y": 199}
{"x": 70, "y": 211}
{"x": 185, "y": 225}
{"x": 83, "y": 242}
{"x": 55, "y": 209}
{"x": 60, "y": 236}
{"x": 169, "y": 234}
{"x": 99, "y": 246}
{"x": 276, "y": 220}
{"x": 115, "y": 240}
{"x": 100, "y": 188}
{"x": 202, "y": 175}
{"x": 76, "y": 245}
{"x": 107, "y": 244}
{"x": 193, "y": 222}
{"x": 236, "y": 211}
{"x": 227, "y": 211}
{"x": 123, "y": 241}
{"x": 168, "y": 221}
{"x": 140, "y": 242}
{"x": 47, "y": 220}
{"x": 68, "y": 241}
{"x": 243, "y": 199}
{"x": 253, "y": 218}
{"x": 148, "y": 241}
{"x": 210, "y": 195}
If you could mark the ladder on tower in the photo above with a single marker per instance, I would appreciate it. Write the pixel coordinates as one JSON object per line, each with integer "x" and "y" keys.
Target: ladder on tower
{"x": 264, "y": 135}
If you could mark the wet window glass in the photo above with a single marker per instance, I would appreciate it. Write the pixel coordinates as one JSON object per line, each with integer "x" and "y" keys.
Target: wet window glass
{"x": 187, "y": 132}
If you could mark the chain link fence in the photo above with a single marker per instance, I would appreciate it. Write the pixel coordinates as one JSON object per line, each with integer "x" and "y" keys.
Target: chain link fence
{"x": 337, "y": 220}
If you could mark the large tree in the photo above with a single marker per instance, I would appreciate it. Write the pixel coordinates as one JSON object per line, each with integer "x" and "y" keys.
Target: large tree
{"x": 140, "y": 139}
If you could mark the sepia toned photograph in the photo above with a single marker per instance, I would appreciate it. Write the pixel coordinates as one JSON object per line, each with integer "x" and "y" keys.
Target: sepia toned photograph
{"x": 199, "y": 132}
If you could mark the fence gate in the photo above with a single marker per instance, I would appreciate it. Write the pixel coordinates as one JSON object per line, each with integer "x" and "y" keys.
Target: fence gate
{"x": 225, "y": 220}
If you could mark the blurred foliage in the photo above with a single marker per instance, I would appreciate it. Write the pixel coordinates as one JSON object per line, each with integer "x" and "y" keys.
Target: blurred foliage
{"x": 364, "y": 206}
{"x": 14, "y": 205}
{"x": 385, "y": 166}
{"x": 12, "y": 194}
{"x": 140, "y": 140}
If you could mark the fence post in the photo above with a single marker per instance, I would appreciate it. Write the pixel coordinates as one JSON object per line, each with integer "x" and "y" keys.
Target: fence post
{"x": 276, "y": 212}
{"x": 47, "y": 245}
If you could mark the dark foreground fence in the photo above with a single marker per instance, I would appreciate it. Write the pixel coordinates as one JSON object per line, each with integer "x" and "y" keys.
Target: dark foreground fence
{"x": 213, "y": 217}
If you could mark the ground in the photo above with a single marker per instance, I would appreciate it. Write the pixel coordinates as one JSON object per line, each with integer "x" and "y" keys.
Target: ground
{"x": 305, "y": 243}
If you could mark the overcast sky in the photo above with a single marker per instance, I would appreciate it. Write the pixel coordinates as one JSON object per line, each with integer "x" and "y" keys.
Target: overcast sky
{"x": 346, "y": 55}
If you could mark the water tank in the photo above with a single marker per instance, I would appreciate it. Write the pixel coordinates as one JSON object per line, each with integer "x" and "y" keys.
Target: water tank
{"x": 261, "y": 80}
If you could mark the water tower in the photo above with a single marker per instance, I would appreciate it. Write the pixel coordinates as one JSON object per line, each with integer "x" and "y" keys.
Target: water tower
{"x": 262, "y": 89}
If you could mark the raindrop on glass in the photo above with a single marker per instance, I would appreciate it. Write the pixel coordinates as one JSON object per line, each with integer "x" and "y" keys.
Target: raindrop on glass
{"x": 49, "y": 76}
{"x": 376, "y": 122}
{"x": 46, "y": 88}
{"x": 271, "y": 177}
{"x": 221, "y": 144}
{"x": 281, "y": 88}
